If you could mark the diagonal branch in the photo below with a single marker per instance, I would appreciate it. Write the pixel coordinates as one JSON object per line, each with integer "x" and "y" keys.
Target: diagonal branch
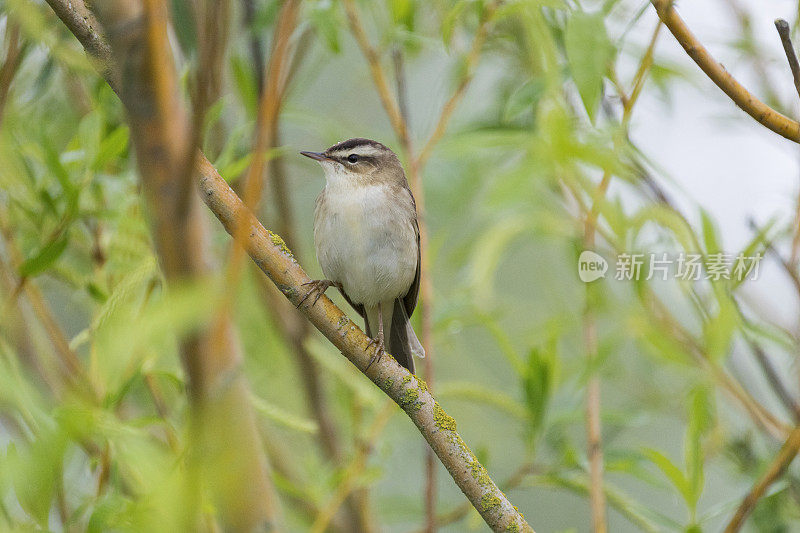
{"x": 776, "y": 469}
{"x": 764, "y": 114}
{"x": 273, "y": 257}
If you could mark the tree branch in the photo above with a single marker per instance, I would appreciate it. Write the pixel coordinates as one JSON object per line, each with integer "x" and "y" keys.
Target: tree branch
{"x": 782, "y": 461}
{"x": 783, "y": 31}
{"x": 273, "y": 257}
{"x": 765, "y": 115}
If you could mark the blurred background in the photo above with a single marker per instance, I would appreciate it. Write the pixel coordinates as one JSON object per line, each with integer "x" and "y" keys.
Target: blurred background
{"x": 559, "y": 100}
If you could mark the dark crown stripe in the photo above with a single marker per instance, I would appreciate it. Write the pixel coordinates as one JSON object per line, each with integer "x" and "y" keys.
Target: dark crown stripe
{"x": 355, "y": 143}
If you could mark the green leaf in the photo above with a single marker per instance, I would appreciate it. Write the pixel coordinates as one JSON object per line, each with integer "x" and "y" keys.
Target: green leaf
{"x": 701, "y": 419}
{"x": 538, "y": 385}
{"x": 245, "y": 82}
{"x": 44, "y": 258}
{"x": 710, "y": 233}
{"x": 449, "y": 22}
{"x": 719, "y": 330}
{"x": 525, "y": 98}
{"x": 324, "y": 17}
{"x": 402, "y": 12}
{"x": 589, "y": 52}
{"x": 111, "y": 147}
{"x": 673, "y": 473}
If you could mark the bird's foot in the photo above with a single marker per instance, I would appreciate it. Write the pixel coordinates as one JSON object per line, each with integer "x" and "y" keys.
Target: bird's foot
{"x": 318, "y": 286}
{"x": 380, "y": 349}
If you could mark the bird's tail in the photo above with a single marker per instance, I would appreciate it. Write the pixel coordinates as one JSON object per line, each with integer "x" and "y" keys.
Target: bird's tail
{"x": 401, "y": 341}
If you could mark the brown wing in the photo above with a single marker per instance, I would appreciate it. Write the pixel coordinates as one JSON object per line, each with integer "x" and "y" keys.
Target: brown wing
{"x": 410, "y": 299}
{"x": 358, "y": 307}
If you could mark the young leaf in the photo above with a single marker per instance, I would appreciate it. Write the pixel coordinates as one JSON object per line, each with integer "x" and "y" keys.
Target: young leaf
{"x": 589, "y": 52}
{"x": 538, "y": 386}
{"x": 44, "y": 258}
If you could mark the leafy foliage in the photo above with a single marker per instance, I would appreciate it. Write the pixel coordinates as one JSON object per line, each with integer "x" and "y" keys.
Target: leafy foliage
{"x": 508, "y": 193}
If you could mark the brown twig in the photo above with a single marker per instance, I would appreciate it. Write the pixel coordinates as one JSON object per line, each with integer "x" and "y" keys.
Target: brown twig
{"x": 12, "y": 62}
{"x": 211, "y": 24}
{"x": 594, "y": 438}
{"x": 784, "y": 32}
{"x": 378, "y": 75}
{"x": 761, "y": 112}
{"x": 776, "y": 469}
{"x": 775, "y": 381}
{"x": 473, "y": 56}
{"x": 254, "y": 42}
{"x": 72, "y": 369}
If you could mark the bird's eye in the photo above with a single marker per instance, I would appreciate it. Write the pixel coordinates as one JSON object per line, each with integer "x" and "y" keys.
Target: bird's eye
{"x": 353, "y": 158}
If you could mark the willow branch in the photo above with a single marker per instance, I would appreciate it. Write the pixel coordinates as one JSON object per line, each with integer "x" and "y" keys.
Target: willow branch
{"x": 761, "y": 112}
{"x": 273, "y": 257}
{"x": 776, "y": 469}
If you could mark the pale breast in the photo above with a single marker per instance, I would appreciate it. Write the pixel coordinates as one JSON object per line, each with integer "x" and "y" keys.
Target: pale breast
{"x": 364, "y": 238}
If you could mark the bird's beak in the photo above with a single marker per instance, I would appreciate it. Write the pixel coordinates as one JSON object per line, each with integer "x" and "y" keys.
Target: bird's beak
{"x": 319, "y": 156}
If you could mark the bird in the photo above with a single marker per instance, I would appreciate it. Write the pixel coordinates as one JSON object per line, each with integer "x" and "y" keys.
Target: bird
{"x": 366, "y": 238}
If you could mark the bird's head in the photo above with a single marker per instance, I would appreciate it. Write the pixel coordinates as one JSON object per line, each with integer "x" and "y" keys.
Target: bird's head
{"x": 359, "y": 161}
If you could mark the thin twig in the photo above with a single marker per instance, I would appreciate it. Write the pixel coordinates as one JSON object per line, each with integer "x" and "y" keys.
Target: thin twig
{"x": 784, "y": 32}
{"x": 211, "y": 17}
{"x": 761, "y": 112}
{"x": 254, "y": 43}
{"x": 378, "y": 75}
{"x": 776, "y": 469}
{"x": 775, "y": 381}
{"x": 471, "y": 64}
{"x": 12, "y": 62}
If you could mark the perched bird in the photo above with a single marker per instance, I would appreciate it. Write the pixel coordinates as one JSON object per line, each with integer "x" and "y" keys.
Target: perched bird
{"x": 367, "y": 241}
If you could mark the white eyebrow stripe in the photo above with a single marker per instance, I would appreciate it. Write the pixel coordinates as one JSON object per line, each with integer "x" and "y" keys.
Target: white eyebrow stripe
{"x": 365, "y": 150}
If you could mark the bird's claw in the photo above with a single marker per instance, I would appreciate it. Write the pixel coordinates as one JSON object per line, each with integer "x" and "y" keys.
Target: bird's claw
{"x": 380, "y": 349}
{"x": 319, "y": 286}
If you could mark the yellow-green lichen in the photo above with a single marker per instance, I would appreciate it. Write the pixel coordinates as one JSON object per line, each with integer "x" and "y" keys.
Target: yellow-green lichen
{"x": 406, "y": 379}
{"x": 279, "y": 242}
{"x": 343, "y": 321}
{"x": 479, "y": 473}
{"x": 410, "y": 400}
{"x": 489, "y": 501}
{"x": 442, "y": 419}
{"x": 512, "y": 528}
{"x": 422, "y": 385}
{"x": 389, "y": 383}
